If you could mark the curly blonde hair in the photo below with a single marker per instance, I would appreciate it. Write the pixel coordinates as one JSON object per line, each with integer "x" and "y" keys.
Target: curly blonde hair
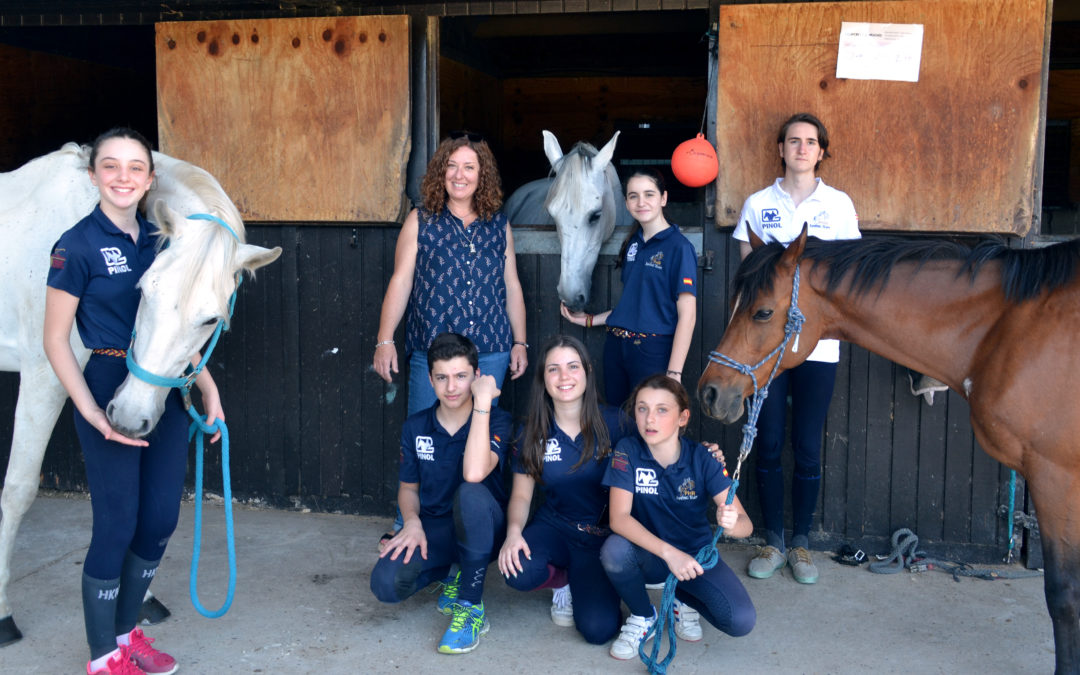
{"x": 488, "y": 197}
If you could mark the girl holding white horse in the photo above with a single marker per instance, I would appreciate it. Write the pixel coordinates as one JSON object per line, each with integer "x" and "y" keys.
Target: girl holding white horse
{"x": 651, "y": 326}
{"x": 564, "y": 447}
{"x": 135, "y": 484}
{"x": 455, "y": 271}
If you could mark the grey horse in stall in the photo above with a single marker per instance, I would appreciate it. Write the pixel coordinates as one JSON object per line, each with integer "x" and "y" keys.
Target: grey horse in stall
{"x": 584, "y": 200}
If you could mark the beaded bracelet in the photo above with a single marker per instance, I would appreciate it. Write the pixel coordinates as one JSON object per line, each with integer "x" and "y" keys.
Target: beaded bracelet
{"x": 588, "y": 320}
{"x": 384, "y": 342}
{"x": 482, "y": 412}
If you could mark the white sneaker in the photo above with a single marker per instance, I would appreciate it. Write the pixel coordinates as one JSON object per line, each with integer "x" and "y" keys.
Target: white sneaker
{"x": 633, "y": 632}
{"x": 687, "y": 624}
{"x": 562, "y": 607}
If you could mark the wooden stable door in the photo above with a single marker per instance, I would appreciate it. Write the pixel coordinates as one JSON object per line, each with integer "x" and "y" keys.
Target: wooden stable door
{"x": 955, "y": 151}
{"x": 299, "y": 119}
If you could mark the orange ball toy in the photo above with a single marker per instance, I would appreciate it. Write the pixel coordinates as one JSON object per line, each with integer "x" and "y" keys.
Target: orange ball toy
{"x": 694, "y": 162}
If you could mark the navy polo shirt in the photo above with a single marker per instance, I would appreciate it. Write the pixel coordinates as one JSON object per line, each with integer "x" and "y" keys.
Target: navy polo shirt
{"x": 672, "y": 503}
{"x": 654, "y": 274}
{"x": 435, "y": 459}
{"x": 576, "y": 496}
{"x": 100, "y": 265}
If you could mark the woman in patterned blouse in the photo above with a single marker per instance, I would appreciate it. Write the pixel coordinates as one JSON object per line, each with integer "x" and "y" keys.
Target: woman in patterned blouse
{"x": 455, "y": 271}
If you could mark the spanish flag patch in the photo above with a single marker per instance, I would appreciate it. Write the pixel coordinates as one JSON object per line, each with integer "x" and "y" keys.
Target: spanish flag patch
{"x": 687, "y": 281}
{"x": 58, "y": 258}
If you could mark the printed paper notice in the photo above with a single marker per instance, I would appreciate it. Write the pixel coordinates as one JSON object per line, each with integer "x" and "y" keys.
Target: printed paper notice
{"x": 879, "y": 51}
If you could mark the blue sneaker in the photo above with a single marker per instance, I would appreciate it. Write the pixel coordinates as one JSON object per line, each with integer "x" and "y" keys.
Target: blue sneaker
{"x": 468, "y": 624}
{"x": 448, "y": 599}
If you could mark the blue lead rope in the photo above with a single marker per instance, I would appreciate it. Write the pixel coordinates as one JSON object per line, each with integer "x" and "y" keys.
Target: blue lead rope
{"x": 1011, "y": 514}
{"x": 199, "y": 425}
{"x": 708, "y": 556}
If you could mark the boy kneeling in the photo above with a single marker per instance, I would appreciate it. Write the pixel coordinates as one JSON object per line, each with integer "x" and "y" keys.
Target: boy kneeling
{"x": 451, "y": 494}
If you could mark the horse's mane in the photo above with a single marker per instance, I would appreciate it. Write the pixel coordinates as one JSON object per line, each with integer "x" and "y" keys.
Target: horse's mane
{"x": 1025, "y": 273}
{"x": 206, "y": 187}
{"x": 569, "y": 171}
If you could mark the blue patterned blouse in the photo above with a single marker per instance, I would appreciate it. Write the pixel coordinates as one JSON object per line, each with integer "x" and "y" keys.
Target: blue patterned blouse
{"x": 459, "y": 283}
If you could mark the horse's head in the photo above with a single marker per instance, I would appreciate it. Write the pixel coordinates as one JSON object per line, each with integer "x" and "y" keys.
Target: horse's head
{"x": 185, "y": 293}
{"x": 583, "y": 201}
{"x": 760, "y": 323}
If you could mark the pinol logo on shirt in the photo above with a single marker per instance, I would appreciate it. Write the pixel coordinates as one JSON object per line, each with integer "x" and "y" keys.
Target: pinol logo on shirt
{"x": 770, "y": 218}
{"x": 657, "y": 261}
{"x": 553, "y": 451}
{"x": 645, "y": 482}
{"x": 115, "y": 260}
{"x": 425, "y": 448}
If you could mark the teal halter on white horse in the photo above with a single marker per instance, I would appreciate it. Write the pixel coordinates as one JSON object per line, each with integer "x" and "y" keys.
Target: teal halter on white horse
{"x": 197, "y": 274}
{"x": 584, "y": 200}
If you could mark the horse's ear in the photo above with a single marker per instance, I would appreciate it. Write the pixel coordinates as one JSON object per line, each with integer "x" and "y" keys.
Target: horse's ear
{"x": 755, "y": 241}
{"x": 552, "y": 148}
{"x": 603, "y": 158}
{"x": 165, "y": 218}
{"x": 251, "y": 257}
{"x": 795, "y": 249}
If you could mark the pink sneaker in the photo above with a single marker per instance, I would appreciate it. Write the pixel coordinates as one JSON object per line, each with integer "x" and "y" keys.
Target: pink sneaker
{"x": 119, "y": 664}
{"x": 147, "y": 658}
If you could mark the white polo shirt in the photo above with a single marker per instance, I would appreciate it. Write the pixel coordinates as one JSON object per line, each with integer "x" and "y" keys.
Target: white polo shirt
{"x": 772, "y": 215}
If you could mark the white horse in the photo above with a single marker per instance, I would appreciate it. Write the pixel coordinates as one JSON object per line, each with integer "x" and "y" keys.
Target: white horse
{"x": 585, "y": 201}
{"x": 197, "y": 273}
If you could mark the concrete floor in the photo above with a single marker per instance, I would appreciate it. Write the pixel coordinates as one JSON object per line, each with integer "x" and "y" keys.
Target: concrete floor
{"x": 302, "y": 605}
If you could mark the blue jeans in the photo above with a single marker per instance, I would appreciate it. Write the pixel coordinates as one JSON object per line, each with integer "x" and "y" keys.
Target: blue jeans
{"x": 422, "y": 395}
{"x": 811, "y": 387}
{"x": 718, "y": 594}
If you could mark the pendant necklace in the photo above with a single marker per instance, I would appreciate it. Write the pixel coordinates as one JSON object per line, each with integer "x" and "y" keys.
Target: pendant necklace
{"x": 469, "y": 239}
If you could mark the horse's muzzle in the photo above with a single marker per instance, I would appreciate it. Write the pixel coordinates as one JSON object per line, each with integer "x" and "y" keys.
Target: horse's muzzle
{"x": 142, "y": 427}
{"x": 722, "y": 403}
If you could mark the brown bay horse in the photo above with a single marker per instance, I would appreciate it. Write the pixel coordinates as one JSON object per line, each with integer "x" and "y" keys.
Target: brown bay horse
{"x": 995, "y": 324}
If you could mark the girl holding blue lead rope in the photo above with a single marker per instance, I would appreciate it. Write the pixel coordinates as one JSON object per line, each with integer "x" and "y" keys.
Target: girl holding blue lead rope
{"x": 662, "y": 486}
{"x": 135, "y": 484}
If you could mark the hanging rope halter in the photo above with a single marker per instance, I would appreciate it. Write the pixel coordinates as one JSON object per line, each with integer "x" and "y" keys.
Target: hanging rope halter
{"x": 199, "y": 424}
{"x": 708, "y": 556}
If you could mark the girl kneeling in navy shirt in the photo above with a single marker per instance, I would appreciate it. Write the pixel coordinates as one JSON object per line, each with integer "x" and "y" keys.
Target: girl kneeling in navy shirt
{"x": 662, "y": 486}
{"x": 564, "y": 447}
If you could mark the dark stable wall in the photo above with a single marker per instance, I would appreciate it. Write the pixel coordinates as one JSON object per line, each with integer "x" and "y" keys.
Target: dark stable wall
{"x": 313, "y": 426}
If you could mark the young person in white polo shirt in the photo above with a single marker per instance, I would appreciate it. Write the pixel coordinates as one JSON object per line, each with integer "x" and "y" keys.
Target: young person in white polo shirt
{"x": 777, "y": 214}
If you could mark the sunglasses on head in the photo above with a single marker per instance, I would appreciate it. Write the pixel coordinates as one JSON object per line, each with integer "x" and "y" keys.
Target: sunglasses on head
{"x": 473, "y": 137}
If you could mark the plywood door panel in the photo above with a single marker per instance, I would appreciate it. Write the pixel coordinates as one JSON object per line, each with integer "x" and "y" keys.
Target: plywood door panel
{"x": 300, "y": 119}
{"x": 953, "y": 152}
